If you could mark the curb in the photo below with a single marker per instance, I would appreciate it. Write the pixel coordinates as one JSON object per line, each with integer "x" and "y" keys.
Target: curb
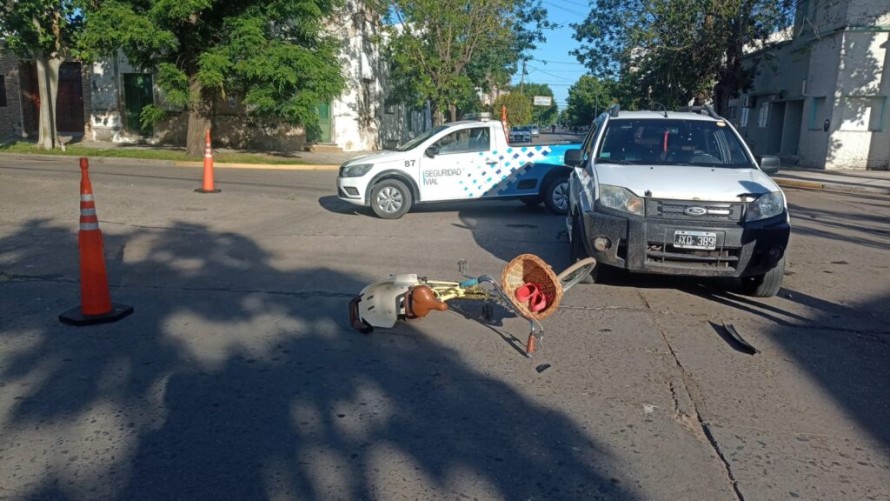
{"x": 309, "y": 167}
{"x": 843, "y": 188}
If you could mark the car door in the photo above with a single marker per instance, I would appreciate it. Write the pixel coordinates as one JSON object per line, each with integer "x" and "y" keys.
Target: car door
{"x": 461, "y": 166}
{"x": 582, "y": 179}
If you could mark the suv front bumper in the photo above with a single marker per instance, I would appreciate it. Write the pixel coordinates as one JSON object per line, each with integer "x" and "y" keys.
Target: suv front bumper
{"x": 646, "y": 245}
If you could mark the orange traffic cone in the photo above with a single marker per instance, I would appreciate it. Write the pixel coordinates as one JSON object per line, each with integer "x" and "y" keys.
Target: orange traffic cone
{"x": 208, "y": 167}
{"x": 95, "y": 301}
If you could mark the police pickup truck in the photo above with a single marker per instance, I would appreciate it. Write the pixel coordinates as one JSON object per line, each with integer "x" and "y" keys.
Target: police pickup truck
{"x": 677, "y": 192}
{"x": 467, "y": 160}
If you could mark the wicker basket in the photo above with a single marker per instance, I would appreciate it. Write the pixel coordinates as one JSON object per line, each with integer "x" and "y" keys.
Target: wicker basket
{"x": 528, "y": 268}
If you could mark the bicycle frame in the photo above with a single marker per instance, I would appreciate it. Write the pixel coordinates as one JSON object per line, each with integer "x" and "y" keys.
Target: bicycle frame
{"x": 382, "y": 304}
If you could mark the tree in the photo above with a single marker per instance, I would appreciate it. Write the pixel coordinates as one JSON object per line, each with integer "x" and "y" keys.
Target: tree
{"x": 588, "y": 97}
{"x": 519, "y": 107}
{"x": 273, "y": 53}
{"x": 674, "y": 51}
{"x": 541, "y": 115}
{"x": 43, "y": 31}
{"x": 443, "y": 51}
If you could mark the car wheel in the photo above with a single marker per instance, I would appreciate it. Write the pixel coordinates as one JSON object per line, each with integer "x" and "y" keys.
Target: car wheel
{"x": 767, "y": 284}
{"x": 532, "y": 200}
{"x": 556, "y": 195}
{"x": 390, "y": 199}
{"x": 577, "y": 252}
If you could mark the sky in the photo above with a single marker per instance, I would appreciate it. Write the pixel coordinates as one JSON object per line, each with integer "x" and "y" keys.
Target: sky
{"x": 551, "y": 63}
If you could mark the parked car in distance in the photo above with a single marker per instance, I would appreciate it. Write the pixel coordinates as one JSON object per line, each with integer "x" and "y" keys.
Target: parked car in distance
{"x": 521, "y": 134}
{"x": 535, "y": 130}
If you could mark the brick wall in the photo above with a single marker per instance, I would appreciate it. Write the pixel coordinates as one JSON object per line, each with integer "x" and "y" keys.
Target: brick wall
{"x": 11, "y": 113}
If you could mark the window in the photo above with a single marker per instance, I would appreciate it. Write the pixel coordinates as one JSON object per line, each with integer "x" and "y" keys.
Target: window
{"x": 464, "y": 141}
{"x": 2, "y": 90}
{"x": 744, "y": 120}
{"x": 817, "y": 113}
{"x": 672, "y": 142}
{"x": 587, "y": 145}
{"x": 763, "y": 115}
{"x": 864, "y": 114}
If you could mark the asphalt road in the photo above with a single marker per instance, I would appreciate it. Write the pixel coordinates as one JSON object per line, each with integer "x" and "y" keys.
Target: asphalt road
{"x": 238, "y": 376}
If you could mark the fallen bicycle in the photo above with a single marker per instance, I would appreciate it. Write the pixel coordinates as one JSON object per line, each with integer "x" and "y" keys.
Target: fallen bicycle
{"x": 529, "y": 288}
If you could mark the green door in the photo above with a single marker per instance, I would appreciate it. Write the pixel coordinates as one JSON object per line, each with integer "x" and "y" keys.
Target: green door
{"x": 137, "y": 95}
{"x": 324, "y": 122}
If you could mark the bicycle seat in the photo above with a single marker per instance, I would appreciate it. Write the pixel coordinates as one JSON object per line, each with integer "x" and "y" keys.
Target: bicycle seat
{"x": 421, "y": 300}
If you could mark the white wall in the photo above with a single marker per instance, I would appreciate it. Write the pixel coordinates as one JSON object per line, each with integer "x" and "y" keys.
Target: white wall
{"x": 860, "y": 131}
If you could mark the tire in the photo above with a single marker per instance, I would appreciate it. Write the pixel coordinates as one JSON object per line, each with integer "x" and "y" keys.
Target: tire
{"x": 578, "y": 253}
{"x": 767, "y": 284}
{"x": 390, "y": 199}
{"x": 532, "y": 201}
{"x": 556, "y": 195}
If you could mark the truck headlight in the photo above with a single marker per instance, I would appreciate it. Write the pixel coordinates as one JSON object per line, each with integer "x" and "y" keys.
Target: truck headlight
{"x": 616, "y": 197}
{"x": 356, "y": 170}
{"x": 766, "y": 206}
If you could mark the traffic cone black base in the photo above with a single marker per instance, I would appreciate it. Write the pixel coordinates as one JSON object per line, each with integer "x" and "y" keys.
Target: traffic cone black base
{"x": 202, "y": 190}
{"x": 75, "y": 316}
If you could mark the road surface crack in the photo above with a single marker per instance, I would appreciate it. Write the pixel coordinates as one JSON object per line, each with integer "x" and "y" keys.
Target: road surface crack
{"x": 694, "y": 423}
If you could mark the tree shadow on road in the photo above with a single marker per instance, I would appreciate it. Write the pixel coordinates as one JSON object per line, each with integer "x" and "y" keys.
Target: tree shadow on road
{"x": 237, "y": 380}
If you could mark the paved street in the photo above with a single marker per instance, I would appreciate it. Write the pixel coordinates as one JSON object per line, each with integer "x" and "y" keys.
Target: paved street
{"x": 238, "y": 376}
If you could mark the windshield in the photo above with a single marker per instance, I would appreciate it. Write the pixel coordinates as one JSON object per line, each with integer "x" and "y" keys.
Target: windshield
{"x": 672, "y": 142}
{"x": 421, "y": 138}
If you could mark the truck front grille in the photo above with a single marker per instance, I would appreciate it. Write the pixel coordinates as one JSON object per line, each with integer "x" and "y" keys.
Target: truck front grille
{"x": 719, "y": 258}
{"x": 695, "y": 210}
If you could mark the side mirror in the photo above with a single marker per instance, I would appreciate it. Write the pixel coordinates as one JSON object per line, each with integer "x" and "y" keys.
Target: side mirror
{"x": 573, "y": 158}
{"x": 432, "y": 151}
{"x": 770, "y": 164}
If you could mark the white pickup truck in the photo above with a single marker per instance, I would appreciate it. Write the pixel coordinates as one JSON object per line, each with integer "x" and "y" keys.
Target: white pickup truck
{"x": 467, "y": 160}
{"x": 677, "y": 193}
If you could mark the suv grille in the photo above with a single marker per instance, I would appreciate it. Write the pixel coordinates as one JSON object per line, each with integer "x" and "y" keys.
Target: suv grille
{"x": 694, "y": 210}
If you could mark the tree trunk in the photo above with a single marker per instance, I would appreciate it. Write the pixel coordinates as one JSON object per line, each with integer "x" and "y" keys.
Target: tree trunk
{"x": 200, "y": 119}
{"x": 48, "y": 88}
{"x": 452, "y": 108}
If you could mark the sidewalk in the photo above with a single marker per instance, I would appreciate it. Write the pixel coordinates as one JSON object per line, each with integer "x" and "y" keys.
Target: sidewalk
{"x": 848, "y": 181}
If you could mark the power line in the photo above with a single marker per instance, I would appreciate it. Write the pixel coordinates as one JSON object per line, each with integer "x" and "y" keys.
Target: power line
{"x": 576, "y": 63}
{"x": 570, "y": 11}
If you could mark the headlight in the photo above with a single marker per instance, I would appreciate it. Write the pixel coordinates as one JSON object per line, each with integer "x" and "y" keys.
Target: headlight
{"x": 766, "y": 206}
{"x": 356, "y": 170}
{"x": 616, "y": 197}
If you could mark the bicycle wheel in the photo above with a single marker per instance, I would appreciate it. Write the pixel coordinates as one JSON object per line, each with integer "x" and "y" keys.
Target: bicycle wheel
{"x": 576, "y": 273}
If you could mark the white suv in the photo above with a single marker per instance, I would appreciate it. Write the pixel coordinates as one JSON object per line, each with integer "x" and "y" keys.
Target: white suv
{"x": 677, "y": 193}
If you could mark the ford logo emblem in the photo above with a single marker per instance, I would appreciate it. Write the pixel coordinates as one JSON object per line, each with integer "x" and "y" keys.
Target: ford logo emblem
{"x": 695, "y": 211}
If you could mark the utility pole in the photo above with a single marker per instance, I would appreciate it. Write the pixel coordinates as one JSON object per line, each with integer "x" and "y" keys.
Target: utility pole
{"x": 522, "y": 78}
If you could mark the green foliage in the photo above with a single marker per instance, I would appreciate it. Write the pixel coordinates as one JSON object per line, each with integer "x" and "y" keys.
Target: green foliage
{"x": 673, "y": 51}
{"x": 150, "y": 116}
{"x": 276, "y": 54}
{"x": 588, "y": 97}
{"x": 541, "y": 115}
{"x": 442, "y": 51}
{"x": 519, "y": 108}
{"x": 46, "y": 26}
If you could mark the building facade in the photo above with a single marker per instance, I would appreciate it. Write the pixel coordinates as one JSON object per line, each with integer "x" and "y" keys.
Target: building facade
{"x": 820, "y": 99}
{"x": 112, "y": 95}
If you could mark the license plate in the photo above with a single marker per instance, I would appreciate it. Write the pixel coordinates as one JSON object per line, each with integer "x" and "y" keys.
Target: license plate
{"x": 685, "y": 239}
